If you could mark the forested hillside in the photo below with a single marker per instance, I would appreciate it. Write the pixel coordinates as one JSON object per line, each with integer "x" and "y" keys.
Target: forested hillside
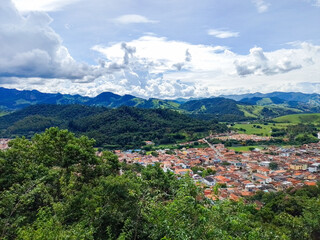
{"x": 55, "y": 187}
{"x": 113, "y": 128}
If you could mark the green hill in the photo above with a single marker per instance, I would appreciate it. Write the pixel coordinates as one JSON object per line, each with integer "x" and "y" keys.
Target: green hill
{"x": 313, "y": 118}
{"x": 258, "y": 112}
{"x": 119, "y": 127}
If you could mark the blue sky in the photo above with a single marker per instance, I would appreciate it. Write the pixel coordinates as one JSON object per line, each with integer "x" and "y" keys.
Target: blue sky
{"x": 164, "y": 49}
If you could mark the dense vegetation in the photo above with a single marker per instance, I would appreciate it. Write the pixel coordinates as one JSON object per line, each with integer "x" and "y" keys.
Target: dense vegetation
{"x": 285, "y": 133}
{"x": 113, "y": 128}
{"x": 55, "y": 187}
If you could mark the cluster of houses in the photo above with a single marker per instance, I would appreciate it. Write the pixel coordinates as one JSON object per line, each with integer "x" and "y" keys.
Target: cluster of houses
{"x": 4, "y": 143}
{"x": 237, "y": 174}
{"x": 240, "y": 137}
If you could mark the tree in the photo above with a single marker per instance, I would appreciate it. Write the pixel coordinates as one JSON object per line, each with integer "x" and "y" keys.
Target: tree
{"x": 273, "y": 166}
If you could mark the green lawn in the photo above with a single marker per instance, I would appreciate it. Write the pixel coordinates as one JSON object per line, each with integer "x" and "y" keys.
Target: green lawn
{"x": 244, "y": 148}
{"x": 313, "y": 118}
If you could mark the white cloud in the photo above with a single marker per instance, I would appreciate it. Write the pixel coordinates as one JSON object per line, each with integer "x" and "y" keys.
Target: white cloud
{"x": 214, "y": 69}
{"x": 32, "y": 56}
{"x": 257, "y": 63}
{"x": 261, "y": 5}
{"x": 222, "y": 34}
{"x": 132, "y": 18}
{"x": 42, "y": 5}
{"x": 31, "y": 48}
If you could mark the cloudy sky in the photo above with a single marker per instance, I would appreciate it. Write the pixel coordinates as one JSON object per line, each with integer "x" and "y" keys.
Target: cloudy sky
{"x": 164, "y": 49}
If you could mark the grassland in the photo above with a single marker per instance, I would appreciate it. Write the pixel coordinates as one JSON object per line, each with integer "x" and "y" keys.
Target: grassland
{"x": 258, "y": 129}
{"x": 251, "y": 111}
{"x": 256, "y": 111}
{"x": 244, "y": 148}
{"x": 312, "y": 118}
{"x": 3, "y": 113}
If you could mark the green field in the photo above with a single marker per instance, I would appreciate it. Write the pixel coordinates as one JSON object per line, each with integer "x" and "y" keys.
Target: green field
{"x": 258, "y": 129}
{"x": 244, "y": 148}
{"x": 313, "y": 118}
{"x": 3, "y": 113}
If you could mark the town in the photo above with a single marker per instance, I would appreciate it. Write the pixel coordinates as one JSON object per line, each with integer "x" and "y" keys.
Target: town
{"x": 238, "y": 174}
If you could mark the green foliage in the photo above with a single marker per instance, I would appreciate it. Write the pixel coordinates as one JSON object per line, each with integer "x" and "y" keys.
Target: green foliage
{"x": 273, "y": 166}
{"x": 302, "y": 133}
{"x": 54, "y": 186}
{"x": 125, "y": 127}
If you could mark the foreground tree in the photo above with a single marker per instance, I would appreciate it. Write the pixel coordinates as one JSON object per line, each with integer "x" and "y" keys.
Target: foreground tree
{"x": 54, "y": 186}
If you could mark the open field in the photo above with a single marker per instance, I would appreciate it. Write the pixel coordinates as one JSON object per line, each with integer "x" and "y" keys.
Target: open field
{"x": 3, "y": 113}
{"x": 313, "y": 118}
{"x": 244, "y": 148}
{"x": 258, "y": 129}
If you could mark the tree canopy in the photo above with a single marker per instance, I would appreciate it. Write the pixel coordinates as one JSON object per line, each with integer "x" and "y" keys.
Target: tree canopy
{"x": 54, "y": 186}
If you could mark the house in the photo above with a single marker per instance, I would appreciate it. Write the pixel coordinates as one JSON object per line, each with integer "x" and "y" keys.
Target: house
{"x": 210, "y": 181}
{"x": 234, "y": 197}
{"x": 196, "y": 177}
{"x": 221, "y": 179}
{"x": 310, "y": 183}
{"x": 265, "y": 164}
{"x": 149, "y": 143}
{"x": 261, "y": 178}
{"x": 182, "y": 171}
{"x": 263, "y": 171}
{"x": 298, "y": 166}
{"x": 314, "y": 167}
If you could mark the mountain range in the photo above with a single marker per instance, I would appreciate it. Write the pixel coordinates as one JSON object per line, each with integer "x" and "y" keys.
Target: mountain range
{"x": 223, "y": 108}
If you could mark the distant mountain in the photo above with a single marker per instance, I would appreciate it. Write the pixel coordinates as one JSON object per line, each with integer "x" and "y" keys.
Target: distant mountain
{"x": 300, "y": 101}
{"x": 12, "y": 99}
{"x": 286, "y": 96}
{"x": 226, "y": 108}
{"x": 262, "y": 101}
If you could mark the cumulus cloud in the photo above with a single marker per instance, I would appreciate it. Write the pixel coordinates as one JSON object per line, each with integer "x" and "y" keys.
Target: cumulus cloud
{"x": 141, "y": 75}
{"x": 32, "y": 56}
{"x": 257, "y": 63}
{"x": 188, "y": 56}
{"x": 187, "y": 59}
{"x": 30, "y": 48}
{"x": 144, "y": 68}
{"x": 132, "y": 18}
{"x": 213, "y": 69}
{"x": 222, "y": 34}
{"x": 261, "y": 5}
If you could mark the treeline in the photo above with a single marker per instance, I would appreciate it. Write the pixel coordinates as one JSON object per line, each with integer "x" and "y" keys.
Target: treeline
{"x": 298, "y": 133}
{"x": 124, "y": 127}
{"x": 55, "y": 187}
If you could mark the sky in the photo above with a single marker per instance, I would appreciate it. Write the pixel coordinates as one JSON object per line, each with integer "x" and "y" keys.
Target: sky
{"x": 161, "y": 49}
